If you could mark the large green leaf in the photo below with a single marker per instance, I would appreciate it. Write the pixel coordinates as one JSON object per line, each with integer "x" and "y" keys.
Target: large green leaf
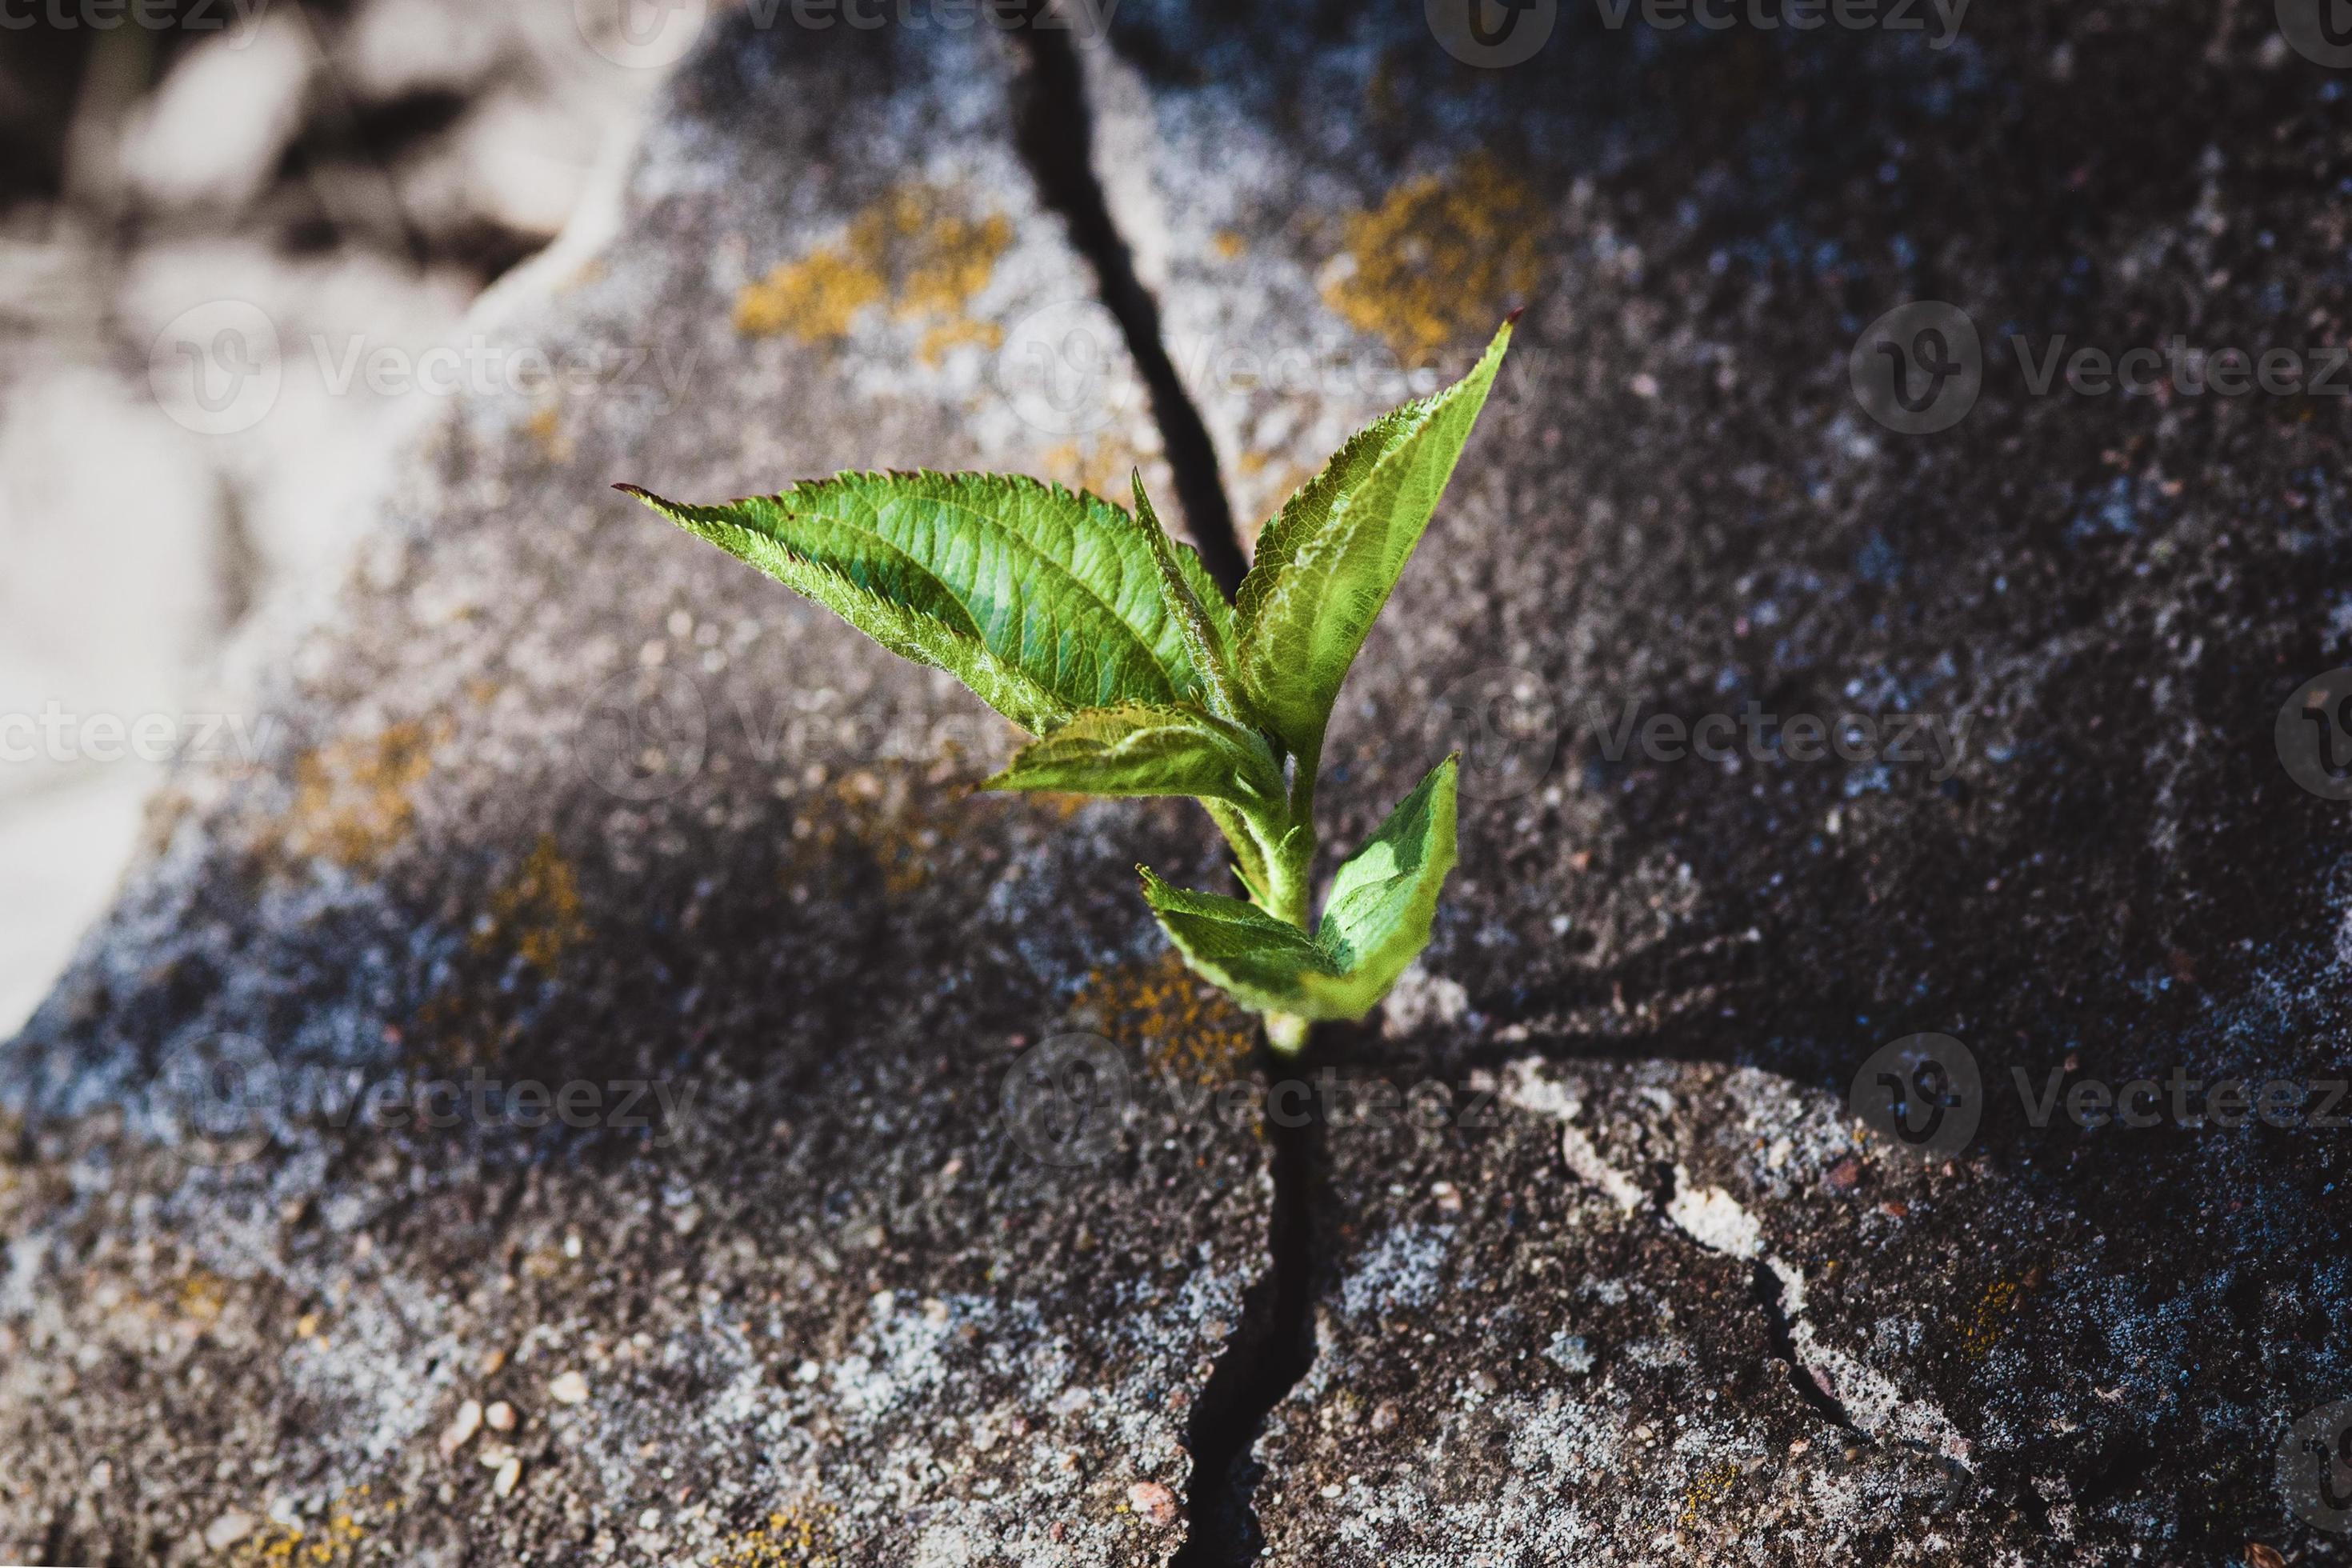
{"x": 1046, "y": 601}
{"x": 1149, "y": 749}
{"x": 1325, "y": 564}
{"x": 1375, "y": 922}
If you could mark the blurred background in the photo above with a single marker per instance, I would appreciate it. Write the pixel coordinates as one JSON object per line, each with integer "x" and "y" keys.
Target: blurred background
{"x": 358, "y": 174}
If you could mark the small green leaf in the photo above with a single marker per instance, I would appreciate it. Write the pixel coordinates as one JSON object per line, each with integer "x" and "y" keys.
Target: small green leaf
{"x": 1375, "y": 923}
{"x": 1148, "y": 749}
{"x": 1046, "y": 601}
{"x": 1264, "y": 963}
{"x": 1249, "y": 855}
{"x": 1325, "y": 567}
{"x": 1376, "y": 920}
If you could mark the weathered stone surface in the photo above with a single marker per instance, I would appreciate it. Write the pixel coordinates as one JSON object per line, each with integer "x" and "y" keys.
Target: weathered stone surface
{"x": 560, "y": 795}
{"x": 1677, "y": 500}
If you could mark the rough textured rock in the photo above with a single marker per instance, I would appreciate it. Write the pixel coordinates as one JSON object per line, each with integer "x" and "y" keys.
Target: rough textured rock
{"x": 1677, "y": 500}
{"x": 557, "y": 795}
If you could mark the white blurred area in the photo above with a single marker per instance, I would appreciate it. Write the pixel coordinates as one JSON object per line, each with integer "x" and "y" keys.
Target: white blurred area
{"x": 356, "y": 173}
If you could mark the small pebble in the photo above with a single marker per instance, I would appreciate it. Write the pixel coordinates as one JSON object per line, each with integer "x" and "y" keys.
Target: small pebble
{"x": 568, "y": 1389}
{"x": 460, "y": 1432}
{"x": 509, "y": 1477}
{"x": 501, "y": 1416}
{"x": 1153, "y": 1501}
{"x": 227, "y": 1530}
{"x": 1385, "y": 1415}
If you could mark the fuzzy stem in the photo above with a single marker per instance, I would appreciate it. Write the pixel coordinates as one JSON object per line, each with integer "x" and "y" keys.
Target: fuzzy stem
{"x": 1290, "y": 876}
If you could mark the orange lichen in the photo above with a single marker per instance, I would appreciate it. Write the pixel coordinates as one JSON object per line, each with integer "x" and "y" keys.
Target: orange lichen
{"x": 352, "y": 802}
{"x": 911, "y": 248}
{"x": 1440, "y": 258}
{"x": 536, "y": 913}
{"x": 1185, "y": 1026}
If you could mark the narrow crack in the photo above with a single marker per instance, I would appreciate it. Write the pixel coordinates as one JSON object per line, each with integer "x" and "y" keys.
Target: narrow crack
{"x": 1273, "y": 1349}
{"x": 1054, "y": 134}
{"x": 1777, "y": 1329}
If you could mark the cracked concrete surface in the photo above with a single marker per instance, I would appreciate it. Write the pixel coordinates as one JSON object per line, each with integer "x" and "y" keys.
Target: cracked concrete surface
{"x": 1659, "y": 1299}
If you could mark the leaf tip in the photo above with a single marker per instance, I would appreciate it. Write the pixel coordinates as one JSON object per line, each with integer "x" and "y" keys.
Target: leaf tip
{"x": 1513, "y": 319}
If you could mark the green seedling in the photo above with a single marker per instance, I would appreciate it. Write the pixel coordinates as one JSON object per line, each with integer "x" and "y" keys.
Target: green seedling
{"x": 1091, "y": 630}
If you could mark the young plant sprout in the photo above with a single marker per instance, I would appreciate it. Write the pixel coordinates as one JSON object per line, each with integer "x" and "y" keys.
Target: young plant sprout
{"x": 1092, "y": 630}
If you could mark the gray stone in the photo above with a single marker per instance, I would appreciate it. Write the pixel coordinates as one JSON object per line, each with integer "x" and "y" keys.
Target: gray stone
{"x": 552, "y": 794}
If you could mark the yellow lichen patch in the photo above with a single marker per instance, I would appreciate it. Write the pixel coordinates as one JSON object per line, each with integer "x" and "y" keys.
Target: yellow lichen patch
{"x": 1441, "y": 258}
{"x": 329, "y": 1542}
{"x": 1708, "y": 1491}
{"x": 1990, "y": 1319}
{"x": 913, "y": 248}
{"x": 537, "y": 914}
{"x": 796, "y": 1537}
{"x": 352, "y": 802}
{"x": 1185, "y": 1026}
{"x": 202, "y": 1298}
{"x": 1094, "y": 463}
{"x": 1228, "y": 244}
{"x": 545, "y": 428}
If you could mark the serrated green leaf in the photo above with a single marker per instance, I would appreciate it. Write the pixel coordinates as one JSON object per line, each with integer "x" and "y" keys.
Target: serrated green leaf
{"x": 1046, "y": 601}
{"x": 1263, "y": 962}
{"x": 1377, "y": 918}
{"x": 1375, "y": 923}
{"x": 1249, "y": 855}
{"x": 1325, "y": 564}
{"x": 1149, "y": 749}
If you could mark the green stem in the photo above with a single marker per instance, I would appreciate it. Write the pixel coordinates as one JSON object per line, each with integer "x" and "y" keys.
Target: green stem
{"x": 1290, "y": 876}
